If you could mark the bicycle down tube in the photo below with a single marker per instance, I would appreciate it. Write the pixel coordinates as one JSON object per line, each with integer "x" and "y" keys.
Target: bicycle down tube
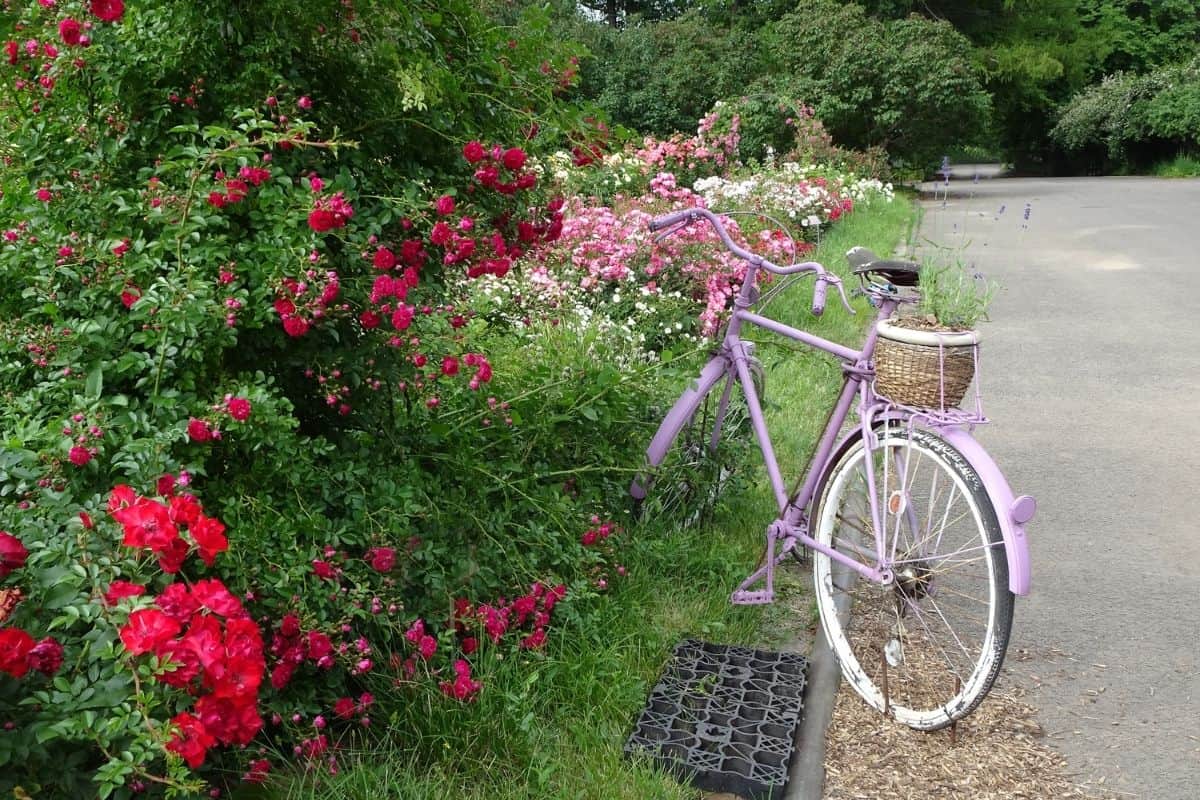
{"x": 791, "y": 509}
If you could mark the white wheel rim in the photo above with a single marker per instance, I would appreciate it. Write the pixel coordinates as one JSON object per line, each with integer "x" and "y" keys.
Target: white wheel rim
{"x": 835, "y": 634}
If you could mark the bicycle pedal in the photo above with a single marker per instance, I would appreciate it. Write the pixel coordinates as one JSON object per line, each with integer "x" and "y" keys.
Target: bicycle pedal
{"x": 742, "y": 597}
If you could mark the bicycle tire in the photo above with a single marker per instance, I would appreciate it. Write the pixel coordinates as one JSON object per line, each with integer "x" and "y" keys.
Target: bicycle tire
{"x": 687, "y": 482}
{"x": 929, "y": 636}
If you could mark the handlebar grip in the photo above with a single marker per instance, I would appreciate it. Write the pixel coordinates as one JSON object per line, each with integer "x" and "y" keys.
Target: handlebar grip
{"x": 668, "y": 220}
{"x": 818, "y": 301}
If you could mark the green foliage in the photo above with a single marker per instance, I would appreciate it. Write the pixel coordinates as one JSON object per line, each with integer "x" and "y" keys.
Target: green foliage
{"x": 1134, "y": 119}
{"x": 908, "y": 85}
{"x": 660, "y": 78}
{"x": 1136, "y": 35}
{"x": 1181, "y": 166}
{"x": 170, "y": 195}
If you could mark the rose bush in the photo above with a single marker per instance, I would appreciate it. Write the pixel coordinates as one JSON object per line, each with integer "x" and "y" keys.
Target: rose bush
{"x": 273, "y": 466}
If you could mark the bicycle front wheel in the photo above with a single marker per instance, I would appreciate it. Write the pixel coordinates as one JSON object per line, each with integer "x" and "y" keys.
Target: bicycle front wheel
{"x": 686, "y": 482}
{"x": 926, "y": 646}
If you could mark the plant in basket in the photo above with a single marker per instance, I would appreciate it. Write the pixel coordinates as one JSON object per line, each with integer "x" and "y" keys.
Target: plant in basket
{"x": 927, "y": 358}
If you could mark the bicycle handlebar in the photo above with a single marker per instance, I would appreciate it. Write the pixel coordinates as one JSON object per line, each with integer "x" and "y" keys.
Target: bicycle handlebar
{"x": 818, "y": 301}
{"x": 823, "y": 277}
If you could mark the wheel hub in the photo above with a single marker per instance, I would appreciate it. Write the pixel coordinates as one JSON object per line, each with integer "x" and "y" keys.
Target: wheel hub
{"x": 914, "y": 581}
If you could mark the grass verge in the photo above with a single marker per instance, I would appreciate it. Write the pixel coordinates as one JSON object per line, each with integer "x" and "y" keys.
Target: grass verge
{"x": 552, "y": 723}
{"x": 1181, "y": 166}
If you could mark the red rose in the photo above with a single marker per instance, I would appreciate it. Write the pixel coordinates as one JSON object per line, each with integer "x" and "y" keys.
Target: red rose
{"x": 79, "y": 456}
{"x": 472, "y": 151}
{"x": 402, "y": 317}
{"x": 319, "y": 645}
{"x": 289, "y": 626}
{"x": 184, "y": 509}
{"x": 209, "y": 536}
{"x": 445, "y": 205}
{"x": 239, "y": 408}
{"x": 108, "y": 10}
{"x": 281, "y": 675}
{"x": 130, "y": 296}
{"x": 184, "y": 664}
{"x": 121, "y": 497}
{"x": 384, "y": 259}
{"x": 344, "y": 708}
{"x": 147, "y": 629}
{"x": 177, "y": 602}
{"x": 147, "y": 524}
{"x": 191, "y": 740}
{"x": 70, "y": 31}
{"x": 514, "y": 158}
{"x": 15, "y": 645}
{"x": 165, "y": 486}
{"x": 382, "y": 559}
{"x": 213, "y": 595}
{"x": 119, "y": 590}
{"x": 171, "y": 557}
{"x": 321, "y": 220}
{"x": 204, "y": 639}
{"x": 240, "y": 678}
{"x": 427, "y": 647}
{"x": 46, "y": 656}
{"x": 12, "y": 554}
{"x": 323, "y": 570}
{"x": 440, "y": 235}
{"x": 198, "y": 430}
{"x": 369, "y": 320}
{"x": 295, "y": 326}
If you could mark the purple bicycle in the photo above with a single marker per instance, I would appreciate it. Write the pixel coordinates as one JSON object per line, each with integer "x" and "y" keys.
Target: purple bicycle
{"x": 919, "y": 542}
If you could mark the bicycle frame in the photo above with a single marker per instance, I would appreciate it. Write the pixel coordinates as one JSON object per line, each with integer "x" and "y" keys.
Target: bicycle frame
{"x": 791, "y": 527}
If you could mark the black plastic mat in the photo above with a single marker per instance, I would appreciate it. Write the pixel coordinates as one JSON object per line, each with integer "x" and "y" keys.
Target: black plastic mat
{"x": 724, "y": 718}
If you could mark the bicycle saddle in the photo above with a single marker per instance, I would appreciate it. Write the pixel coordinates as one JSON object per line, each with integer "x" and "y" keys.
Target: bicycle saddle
{"x": 894, "y": 270}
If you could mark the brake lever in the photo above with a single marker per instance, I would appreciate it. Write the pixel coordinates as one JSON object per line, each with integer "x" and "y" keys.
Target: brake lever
{"x": 672, "y": 230}
{"x": 836, "y": 281}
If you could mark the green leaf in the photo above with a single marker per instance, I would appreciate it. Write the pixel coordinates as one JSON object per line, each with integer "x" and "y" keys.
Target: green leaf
{"x": 95, "y": 383}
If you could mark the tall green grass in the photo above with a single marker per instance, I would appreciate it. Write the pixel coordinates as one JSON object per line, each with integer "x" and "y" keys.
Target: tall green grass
{"x": 1182, "y": 166}
{"x": 552, "y": 724}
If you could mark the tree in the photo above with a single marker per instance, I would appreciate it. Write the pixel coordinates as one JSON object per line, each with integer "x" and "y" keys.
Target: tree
{"x": 907, "y": 85}
{"x": 618, "y": 12}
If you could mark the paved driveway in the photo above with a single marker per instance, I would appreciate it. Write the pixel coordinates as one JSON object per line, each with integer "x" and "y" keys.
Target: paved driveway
{"x": 1091, "y": 376}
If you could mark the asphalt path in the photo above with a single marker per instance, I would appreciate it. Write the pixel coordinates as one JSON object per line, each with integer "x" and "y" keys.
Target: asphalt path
{"x": 1091, "y": 377}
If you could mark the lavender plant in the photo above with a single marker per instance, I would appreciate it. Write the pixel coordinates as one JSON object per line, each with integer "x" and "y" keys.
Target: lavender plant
{"x": 954, "y": 296}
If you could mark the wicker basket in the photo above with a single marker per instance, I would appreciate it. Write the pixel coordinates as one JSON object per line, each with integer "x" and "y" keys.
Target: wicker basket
{"x": 927, "y": 369}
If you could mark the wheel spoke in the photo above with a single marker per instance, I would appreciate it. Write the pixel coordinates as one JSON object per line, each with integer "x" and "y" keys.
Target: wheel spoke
{"x": 948, "y": 597}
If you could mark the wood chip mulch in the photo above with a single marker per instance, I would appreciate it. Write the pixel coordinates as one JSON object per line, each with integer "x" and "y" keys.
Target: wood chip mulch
{"x": 998, "y": 752}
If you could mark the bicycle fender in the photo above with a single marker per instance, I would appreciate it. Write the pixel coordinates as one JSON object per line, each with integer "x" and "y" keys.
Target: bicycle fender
{"x": 683, "y": 409}
{"x": 1013, "y": 512}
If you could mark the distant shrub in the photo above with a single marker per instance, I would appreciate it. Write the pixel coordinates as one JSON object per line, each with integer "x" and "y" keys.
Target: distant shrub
{"x": 906, "y": 85}
{"x": 1133, "y": 119}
